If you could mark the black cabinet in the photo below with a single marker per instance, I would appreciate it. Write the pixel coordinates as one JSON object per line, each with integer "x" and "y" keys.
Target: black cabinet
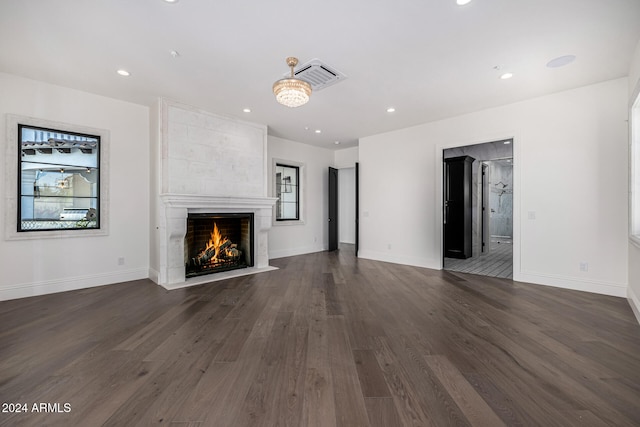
{"x": 457, "y": 207}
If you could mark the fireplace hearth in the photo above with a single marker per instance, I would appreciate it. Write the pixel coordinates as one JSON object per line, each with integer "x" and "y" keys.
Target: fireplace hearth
{"x": 217, "y": 242}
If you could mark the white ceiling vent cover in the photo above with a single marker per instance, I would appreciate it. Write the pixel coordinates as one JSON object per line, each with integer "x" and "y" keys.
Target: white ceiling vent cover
{"x": 318, "y": 74}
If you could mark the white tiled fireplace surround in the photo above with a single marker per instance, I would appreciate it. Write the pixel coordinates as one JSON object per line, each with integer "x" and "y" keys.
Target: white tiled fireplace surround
{"x": 207, "y": 164}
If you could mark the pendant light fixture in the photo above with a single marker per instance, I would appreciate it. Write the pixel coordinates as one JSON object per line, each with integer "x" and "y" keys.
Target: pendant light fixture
{"x": 292, "y": 92}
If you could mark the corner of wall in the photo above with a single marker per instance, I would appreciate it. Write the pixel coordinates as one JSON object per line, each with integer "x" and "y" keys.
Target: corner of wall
{"x": 634, "y": 302}
{"x": 345, "y": 158}
{"x": 155, "y": 112}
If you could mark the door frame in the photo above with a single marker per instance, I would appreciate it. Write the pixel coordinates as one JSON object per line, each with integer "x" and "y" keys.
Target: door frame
{"x": 485, "y": 225}
{"x": 357, "y": 219}
{"x": 439, "y": 195}
{"x": 332, "y": 226}
{"x": 343, "y": 219}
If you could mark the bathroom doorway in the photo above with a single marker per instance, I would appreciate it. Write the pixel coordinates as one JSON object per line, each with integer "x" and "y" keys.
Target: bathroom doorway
{"x": 490, "y": 206}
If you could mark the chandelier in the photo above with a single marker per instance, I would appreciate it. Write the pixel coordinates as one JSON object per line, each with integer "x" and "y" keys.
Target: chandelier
{"x": 292, "y": 92}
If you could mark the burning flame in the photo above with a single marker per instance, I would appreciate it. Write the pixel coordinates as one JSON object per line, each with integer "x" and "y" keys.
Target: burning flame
{"x": 215, "y": 242}
{"x": 218, "y": 248}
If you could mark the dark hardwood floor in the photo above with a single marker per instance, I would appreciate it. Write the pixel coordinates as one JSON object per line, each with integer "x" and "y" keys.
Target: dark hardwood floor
{"x": 325, "y": 340}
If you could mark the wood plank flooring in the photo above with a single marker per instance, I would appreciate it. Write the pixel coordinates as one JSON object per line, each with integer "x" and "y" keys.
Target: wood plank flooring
{"x": 326, "y": 340}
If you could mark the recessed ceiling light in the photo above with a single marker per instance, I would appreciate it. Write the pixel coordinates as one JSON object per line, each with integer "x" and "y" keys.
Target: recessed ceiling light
{"x": 391, "y": 110}
{"x": 318, "y": 131}
{"x": 171, "y": 1}
{"x": 462, "y": 2}
{"x": 247, "y": 110}
{"x": 337, "y": 142}
{"x": 506, "y": 76}
{"x": 124, "y": 73}
{"x": 561, "y": 61}
{"x": 175, "y": 53}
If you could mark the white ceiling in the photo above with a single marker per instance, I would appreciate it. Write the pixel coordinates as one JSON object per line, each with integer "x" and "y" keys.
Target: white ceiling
{"x": 430, "y": 59}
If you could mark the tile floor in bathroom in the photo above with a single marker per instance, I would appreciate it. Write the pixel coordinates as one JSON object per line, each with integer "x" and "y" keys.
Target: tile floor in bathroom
{"x": 497, "y": 263}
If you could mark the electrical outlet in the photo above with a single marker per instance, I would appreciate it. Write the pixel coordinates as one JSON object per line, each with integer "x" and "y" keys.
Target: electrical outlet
{"x": 584, "y": 266}
{"x": 121, "y": 260}
{"x": 389, "y": 246}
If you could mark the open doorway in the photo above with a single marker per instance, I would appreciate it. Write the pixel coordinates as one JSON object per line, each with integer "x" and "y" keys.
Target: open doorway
{"x": 478, "y": 215}
{"x": 347, "y": 205}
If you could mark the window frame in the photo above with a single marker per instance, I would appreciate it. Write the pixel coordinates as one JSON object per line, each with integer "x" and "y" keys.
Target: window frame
{"x": 13, "y": 189}
{"x": 21, "y": 195}
{"x": 300, "y": 191}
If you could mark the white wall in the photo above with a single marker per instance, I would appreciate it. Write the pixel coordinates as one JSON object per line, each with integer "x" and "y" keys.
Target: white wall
{"x": 345, "y": 158}
{"x": 634, "y": 251}
{"x": 34, "y": 267}
{"x": 311, "y": 234}
{"x": 568, "y": 152}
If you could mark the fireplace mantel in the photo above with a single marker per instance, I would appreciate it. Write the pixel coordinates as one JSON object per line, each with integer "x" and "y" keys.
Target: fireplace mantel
{"x": 173, "y": 230}
{"x": 197, "y": 201}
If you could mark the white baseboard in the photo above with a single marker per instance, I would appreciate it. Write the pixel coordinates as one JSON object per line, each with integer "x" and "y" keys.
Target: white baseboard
{"x": 634, "y": 302}
{"x": 611, "y": 289}
{"x": 296, "y": 251}
{"x": 398, "y": 259}
{"x": 596, "y": 287}
{"x": 70, "y": 284}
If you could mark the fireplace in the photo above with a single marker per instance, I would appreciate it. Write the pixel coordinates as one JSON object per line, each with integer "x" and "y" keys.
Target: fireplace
{"x": 217, "y": 242}
{"x": 211, "y": 165}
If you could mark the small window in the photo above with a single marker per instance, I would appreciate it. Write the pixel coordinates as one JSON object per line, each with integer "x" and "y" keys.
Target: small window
{"x": 58, "y": 180}
{"x": 287, "y": 182}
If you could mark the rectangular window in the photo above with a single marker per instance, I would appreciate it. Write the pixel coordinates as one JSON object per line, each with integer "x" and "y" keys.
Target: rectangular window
{"x": 287, "y": 181}
{"x": 58, "y": 179}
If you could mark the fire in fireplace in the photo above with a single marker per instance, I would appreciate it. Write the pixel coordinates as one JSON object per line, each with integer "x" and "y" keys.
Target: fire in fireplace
{"x": 218, "y": 242}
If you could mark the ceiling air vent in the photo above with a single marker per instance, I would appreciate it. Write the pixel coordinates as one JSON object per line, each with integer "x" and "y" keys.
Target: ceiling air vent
{"x": 318, "y": 74}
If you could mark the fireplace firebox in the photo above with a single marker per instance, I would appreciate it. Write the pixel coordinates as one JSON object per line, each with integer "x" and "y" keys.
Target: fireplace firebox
{"x": 218, "y": 242}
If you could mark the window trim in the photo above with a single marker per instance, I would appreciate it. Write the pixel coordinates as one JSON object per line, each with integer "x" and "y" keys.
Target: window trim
{"x": 301, "y": 191}
{"x": 12, "y": 189}
{"x": 634, "y": 167}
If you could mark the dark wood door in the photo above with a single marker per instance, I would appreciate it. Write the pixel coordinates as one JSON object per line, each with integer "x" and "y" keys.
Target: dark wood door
{"x": 357, "y": 207}
{"x": 457, "y": 207}
{"x": 333, "y": 209}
